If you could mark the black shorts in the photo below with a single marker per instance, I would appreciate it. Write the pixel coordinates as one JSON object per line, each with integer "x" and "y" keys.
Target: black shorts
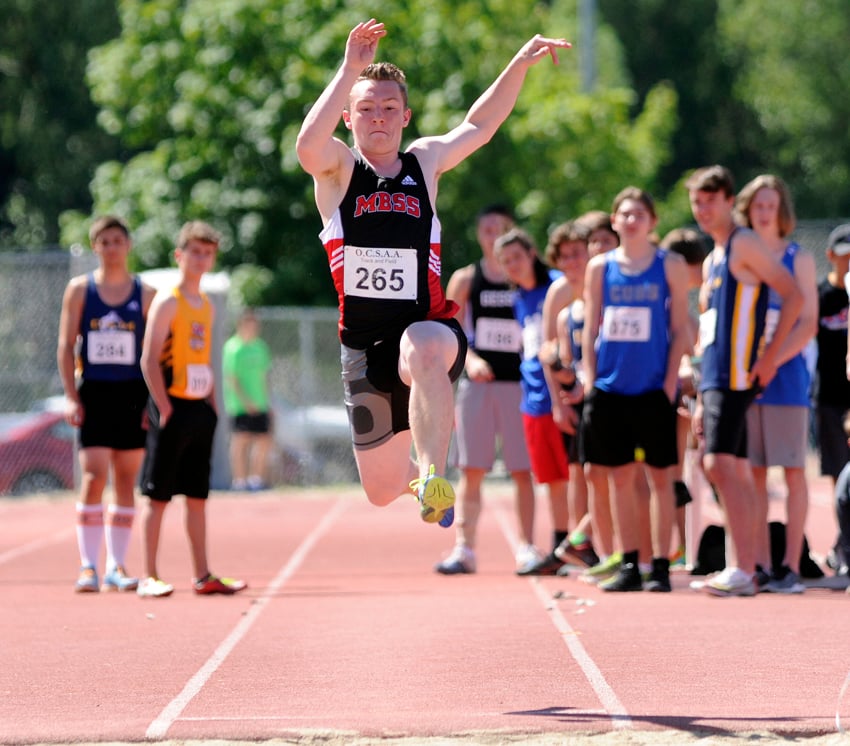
{"x": 376, "y": 398}
{"x": 113, "y": 412}
{"x": 256, "y": 424}
{"x": 614, "y": 425}
{"x": 832, "y": 440}
{"x": 724, "y": 420}
{"x": 177, "y": 458}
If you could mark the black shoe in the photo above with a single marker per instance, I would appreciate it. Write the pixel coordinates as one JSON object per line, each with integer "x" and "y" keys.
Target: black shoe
{"x": 762, "y": 578}
{"x": 627, "y": 579}
{"x": 583, "y": 553}
{"x": 549, "y": 565}
{"x": 659, "y": 578}
{"x": 683, "y": 494}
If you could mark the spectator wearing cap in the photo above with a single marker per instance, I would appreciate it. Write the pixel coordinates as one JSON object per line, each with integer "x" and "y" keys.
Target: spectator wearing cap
{"x": 832, "y": 389}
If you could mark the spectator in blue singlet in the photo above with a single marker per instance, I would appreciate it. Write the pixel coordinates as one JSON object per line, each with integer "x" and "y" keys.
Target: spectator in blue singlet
{"x": 401, "y": 346}
{"x": 488, "y": 396}
{"x": 517, "y": 254}
{"x": 735, "y": 365}
{"x": 778, "y": 420}
{"x": 105, "y": 312}
{"x": 635, "y": 333}
{"x": 567, "y": 251}
{"x": 562, "y": 362}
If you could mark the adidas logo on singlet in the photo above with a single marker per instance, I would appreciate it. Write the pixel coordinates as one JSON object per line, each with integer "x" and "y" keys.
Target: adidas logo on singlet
{"x": 408, "y": 181}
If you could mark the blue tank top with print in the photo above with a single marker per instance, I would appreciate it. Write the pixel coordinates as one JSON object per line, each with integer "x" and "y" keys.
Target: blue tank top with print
{"x": 633, "y": 340}
{"x": 528, "y": 308}
{"x": 731, "y": 327}
{"x": 790, "y": 385}
{"x": 111, "y": 336}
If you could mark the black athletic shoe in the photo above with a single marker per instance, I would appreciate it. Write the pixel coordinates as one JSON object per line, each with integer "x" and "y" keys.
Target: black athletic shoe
{"x": 659, "y": 578}
{"x": 549, "y": 565}
{"x": 627, "y": 579}
{"x": 762, "y": 578}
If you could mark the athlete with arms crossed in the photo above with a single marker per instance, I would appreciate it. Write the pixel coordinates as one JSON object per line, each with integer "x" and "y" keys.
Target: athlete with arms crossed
{"x": 401, "y": 347}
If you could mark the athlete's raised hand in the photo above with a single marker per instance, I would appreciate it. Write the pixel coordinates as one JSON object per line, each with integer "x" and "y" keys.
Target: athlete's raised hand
{"x": 538, "y": 47}
{"x": 363, "y": 43}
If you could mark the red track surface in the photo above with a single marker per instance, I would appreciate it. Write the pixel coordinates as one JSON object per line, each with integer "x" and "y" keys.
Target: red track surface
{"x": 346, "y": 629}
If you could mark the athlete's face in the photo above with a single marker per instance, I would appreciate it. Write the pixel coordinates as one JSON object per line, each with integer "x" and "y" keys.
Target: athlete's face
{"x": 602, "y": 240}
{"x": 517, "y": 262}
{"x": 112, "y": 246}
{"x": 489, "y": 228}
{"x": 196, "y": 257}
{"x": 376, "y": 115}
{"x": 764, "y": 212}
{"x": 633, "y": 220}
{"x": 711, "y": 210}
{"x": 572, "y": 260}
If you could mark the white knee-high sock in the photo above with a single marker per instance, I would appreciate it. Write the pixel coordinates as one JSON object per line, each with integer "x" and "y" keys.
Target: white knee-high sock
{"x": 119, "y": 526}
{"x": 89, "y": 533}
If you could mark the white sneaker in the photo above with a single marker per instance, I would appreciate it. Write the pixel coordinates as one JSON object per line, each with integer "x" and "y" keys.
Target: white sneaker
{"x": 731, "y": 582}
{"x": 461, "y": 561}
{"x": 699, "y": 585}
{"x": 527, "y": 555}
{"x": 154, "y": 588}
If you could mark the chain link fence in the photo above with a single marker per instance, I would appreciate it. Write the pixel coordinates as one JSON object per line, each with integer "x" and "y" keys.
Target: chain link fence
{"x": 38, "y": 450}
{"x": 312, "y": 444}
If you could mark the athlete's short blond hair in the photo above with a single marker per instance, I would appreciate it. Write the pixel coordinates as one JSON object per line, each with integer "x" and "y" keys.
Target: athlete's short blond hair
{"x": 197, "y": 230}
{"x": 386, "y": 71}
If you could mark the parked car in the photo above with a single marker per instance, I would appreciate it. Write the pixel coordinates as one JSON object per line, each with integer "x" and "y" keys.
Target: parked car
{"x": 36, "y": 453}
{"x": 312, "y": 443}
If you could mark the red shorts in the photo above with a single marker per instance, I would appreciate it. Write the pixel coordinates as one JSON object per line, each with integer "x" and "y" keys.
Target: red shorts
{"x": 549, "y": 462}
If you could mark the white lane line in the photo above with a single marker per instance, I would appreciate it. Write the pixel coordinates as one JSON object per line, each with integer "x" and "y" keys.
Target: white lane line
{"x": 34, "y": 546}
{"x": 615, "y": 710}
{"x": 159, "y": 727}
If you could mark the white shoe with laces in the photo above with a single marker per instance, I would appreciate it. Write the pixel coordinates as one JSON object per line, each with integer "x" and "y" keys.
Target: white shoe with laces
{"x": 731, "y": 582}
{"x": 527, "y": 555}
{"x": 461, "y": 561}
{"x": 154, "y": 588}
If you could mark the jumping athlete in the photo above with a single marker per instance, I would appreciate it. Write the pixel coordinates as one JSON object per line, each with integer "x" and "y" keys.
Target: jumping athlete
{"x": 401, "y": 347}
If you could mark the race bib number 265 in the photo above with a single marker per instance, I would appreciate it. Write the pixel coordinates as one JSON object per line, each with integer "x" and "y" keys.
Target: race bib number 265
{"x": 380, "y": 273}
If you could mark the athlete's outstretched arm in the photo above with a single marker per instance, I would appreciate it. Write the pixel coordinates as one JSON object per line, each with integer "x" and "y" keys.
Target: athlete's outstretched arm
{"x": 490, "y": 110}
{"x": 317, "y": 149}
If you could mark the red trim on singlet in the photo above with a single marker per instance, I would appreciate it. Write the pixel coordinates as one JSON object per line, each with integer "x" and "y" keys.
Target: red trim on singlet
{"x": 448, "y": 308}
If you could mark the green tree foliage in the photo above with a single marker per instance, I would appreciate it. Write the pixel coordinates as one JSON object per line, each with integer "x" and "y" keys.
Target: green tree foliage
{"x": 761, "y": 86}
{"x": 49, "y": 141}
{"x": 211, "y": 94}
{"x": 678, "y": 42}
{"x": 792, "y": 69}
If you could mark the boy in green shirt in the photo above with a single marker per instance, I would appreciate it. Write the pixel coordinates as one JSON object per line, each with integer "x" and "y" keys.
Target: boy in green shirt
{"x": 246, "y": 362}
